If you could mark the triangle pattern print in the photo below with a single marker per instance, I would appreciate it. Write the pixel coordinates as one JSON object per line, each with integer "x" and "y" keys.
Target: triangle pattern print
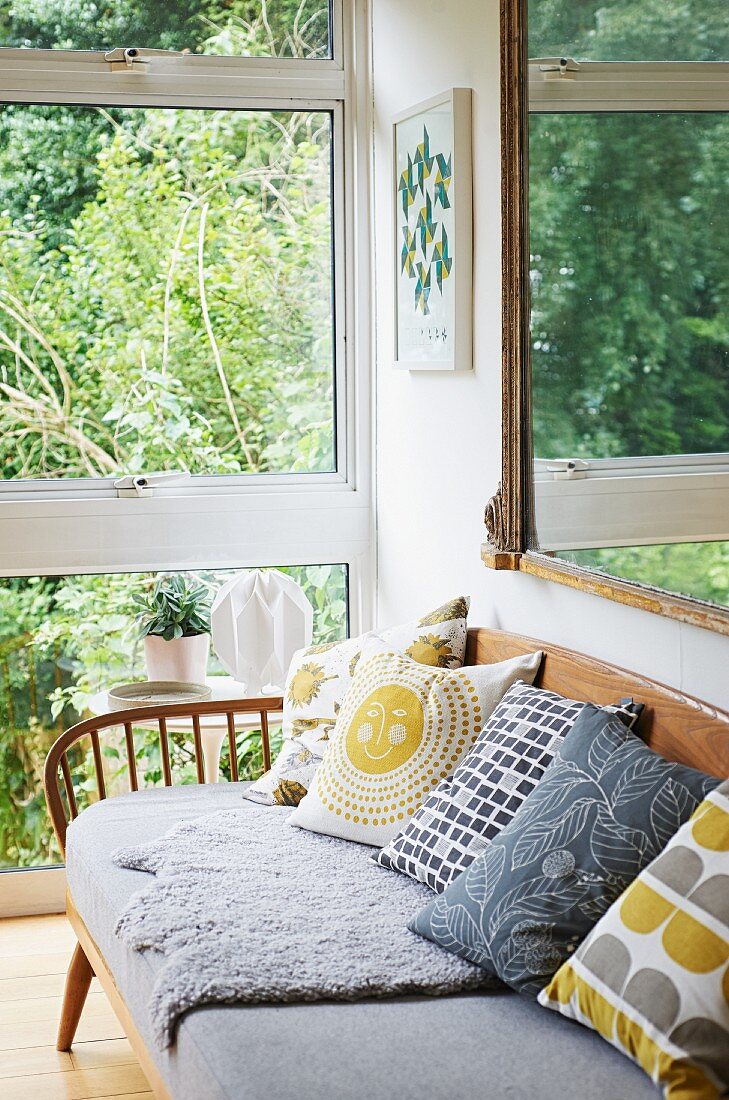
{"x": 424, "y": 188}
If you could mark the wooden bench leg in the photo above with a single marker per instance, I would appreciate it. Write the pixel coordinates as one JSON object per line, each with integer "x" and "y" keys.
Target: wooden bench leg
{"x": 77, "y": 985}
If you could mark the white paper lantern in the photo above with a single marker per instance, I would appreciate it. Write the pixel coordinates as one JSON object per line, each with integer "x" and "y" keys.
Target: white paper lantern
{"x": 258, "y": 621}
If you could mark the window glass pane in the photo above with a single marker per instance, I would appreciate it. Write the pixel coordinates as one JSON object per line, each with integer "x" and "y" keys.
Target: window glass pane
{"x": 267, "y": 28}
{"x": 165, "y": 291}
{"x": 699, "y": 569}
{"x": 629, "y": 30}
{"x": 630, "y": 284}
{"x": 62, "y": 641}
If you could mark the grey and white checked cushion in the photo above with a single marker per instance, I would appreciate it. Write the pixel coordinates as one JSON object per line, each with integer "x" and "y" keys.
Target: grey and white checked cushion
{"x": 480, "y": 798}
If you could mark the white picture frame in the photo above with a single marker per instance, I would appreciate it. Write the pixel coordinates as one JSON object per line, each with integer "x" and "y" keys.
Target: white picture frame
{"x": 433, "y": 234}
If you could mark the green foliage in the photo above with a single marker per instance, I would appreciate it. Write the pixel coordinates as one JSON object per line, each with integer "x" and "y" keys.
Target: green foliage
{"x": 176, "y": 606}
{"x": 26, "y": 836}
{"x": 278, "y": 28}
{"x": 184, "y": 320}
{"x": 630, "y": 284}
{"x": 165, "y": 301}
{"x": 629, "y": 30}
{"x": 693, "y": 569}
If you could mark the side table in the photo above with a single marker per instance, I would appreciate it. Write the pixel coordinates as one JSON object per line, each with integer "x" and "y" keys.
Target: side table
{"x": 213, "y": 728}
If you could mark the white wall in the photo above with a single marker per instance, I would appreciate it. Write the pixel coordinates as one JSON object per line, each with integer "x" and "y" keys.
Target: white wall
{"x": 438, "y": 436}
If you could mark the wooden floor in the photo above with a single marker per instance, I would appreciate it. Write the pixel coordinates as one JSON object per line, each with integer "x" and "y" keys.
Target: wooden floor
{"x": 34, "y": 954}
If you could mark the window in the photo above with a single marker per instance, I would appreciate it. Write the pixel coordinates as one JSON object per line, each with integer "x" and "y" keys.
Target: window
{"x": 184, "y": 229}
{"x": 629, "y": 130}
{"x": 254, "y": 28}
{"x": 167, "y": 302}
{"x": 65, "y": 640}
{"x": 178, "y": 288}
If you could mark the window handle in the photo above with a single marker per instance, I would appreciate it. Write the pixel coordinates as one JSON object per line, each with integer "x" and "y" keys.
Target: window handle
{"x": 556, "y": 66}
{"x": 130, "y": 57}
{"x": 144, "y": 485}
{"x": 568, "y": 469}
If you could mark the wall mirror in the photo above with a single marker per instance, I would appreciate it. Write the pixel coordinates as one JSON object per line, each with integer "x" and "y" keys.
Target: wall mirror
{"x": 615, "y": 157}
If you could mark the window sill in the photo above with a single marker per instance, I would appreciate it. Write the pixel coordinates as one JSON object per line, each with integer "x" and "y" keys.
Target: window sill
{"x": 630, "y": 594}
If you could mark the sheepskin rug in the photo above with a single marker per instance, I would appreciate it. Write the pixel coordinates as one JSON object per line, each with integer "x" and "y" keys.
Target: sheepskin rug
{"x": 246, "y": 909}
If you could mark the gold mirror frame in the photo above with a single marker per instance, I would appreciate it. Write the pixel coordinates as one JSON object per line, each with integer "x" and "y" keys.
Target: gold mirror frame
{"x": 509, "y": 513}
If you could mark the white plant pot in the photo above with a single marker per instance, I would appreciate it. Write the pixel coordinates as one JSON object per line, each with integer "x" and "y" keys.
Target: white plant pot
{"x": 184, "y": 659}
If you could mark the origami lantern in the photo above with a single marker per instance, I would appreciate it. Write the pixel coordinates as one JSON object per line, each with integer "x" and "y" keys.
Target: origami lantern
{"x": 259, "y": 619}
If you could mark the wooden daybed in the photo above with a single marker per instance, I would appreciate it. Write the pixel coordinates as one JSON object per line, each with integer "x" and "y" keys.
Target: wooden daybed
{"x": 421, "y": 1048}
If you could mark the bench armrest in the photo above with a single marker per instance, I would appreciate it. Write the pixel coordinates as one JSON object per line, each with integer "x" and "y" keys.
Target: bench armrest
{"x": 57, "y": 765}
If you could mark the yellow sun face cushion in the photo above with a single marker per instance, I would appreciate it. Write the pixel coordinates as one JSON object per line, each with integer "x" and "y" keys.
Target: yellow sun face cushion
{"x": 318, "y": 680}
{"x": 402, "y": 728}
{"x": 653, "y": 975}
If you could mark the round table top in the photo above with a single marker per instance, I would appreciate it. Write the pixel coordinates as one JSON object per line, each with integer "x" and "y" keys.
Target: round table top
{"x": 222, "y": 687}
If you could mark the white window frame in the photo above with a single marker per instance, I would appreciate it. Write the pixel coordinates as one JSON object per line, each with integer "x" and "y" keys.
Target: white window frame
{"x": 81, "y": 525}
{"x": 630, "y": 501}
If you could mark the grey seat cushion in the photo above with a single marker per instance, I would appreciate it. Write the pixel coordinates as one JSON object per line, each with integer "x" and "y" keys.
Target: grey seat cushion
{"x": 480, "y": 1045}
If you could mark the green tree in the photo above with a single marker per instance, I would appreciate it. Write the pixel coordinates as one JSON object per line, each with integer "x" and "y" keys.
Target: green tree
{"x": 274, "y": 27}
{"x": 184, "y": 319}
{"x": 48, "y": 154}
{"x": 630, "y": 284}
{"x": 629, "y": 30}
{"x": 630, "y": 280}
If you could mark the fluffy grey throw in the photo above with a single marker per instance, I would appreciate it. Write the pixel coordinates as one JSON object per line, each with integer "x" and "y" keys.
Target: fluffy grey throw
{"x": 246, "y": 909}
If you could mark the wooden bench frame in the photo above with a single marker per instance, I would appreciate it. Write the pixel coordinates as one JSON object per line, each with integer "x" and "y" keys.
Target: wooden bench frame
{"x": 87, "y": 959}
{"x": 677, "y": 726}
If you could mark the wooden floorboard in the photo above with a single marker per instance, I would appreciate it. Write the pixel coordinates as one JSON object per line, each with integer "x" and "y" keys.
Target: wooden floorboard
{"x": 34, "y": 955}
{"x": 30, "y": 935}
{"x": 78, "y": 1084}
{"x": 95, "y": 1055}
{"x": 39, "y": 1009}
{"x": 31, "y": 966}
{"x": 31, "y": 986}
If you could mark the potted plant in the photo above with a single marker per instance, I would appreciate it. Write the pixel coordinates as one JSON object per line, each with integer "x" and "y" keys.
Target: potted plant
{"x": 174, "y": 620}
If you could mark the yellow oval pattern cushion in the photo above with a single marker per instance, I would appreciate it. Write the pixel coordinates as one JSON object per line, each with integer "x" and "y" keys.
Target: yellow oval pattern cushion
{"x": 653, "y": 975}
{"x": 402, "y": 728}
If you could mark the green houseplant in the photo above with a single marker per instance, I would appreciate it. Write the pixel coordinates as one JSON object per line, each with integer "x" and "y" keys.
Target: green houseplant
{"x": 174, "y": 621}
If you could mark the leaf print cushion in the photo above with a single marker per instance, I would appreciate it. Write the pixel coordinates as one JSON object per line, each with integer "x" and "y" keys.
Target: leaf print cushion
{"x": 318, "y": 680}
{"x": 606, "y": 807}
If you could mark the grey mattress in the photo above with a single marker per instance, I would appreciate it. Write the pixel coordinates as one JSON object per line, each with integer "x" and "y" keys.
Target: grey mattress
{"x": 490, "y": 1045}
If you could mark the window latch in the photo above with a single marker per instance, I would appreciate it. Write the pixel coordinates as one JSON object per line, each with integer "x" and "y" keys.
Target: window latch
{"x": 557, "y": 67}
{"x": 134, "y": 58}
{"x": 568, "y": 469}
{"x": 144, "y": 485}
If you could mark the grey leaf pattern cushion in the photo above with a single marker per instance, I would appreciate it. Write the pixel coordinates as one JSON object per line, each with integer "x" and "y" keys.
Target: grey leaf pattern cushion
{"x": 606, "y": 807}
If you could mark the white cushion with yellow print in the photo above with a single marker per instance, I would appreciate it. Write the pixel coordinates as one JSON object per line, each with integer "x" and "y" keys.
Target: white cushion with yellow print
{"x": 317, "y": 683}
{"x": 402, "y": 728}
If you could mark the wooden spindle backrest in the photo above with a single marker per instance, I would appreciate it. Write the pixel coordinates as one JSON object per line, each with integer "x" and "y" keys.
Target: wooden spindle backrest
{"x": 226, "y": 711}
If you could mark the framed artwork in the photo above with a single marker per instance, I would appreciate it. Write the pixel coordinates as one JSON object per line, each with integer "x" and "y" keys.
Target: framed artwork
{"x": 433, "y": 197}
